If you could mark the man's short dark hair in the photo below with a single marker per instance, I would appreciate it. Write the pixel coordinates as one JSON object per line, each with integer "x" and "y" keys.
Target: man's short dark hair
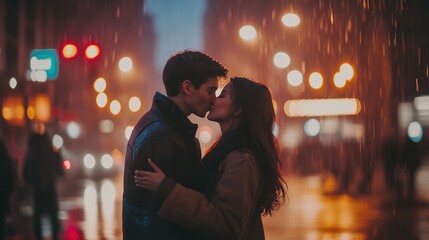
{"x": 194, "y": 66}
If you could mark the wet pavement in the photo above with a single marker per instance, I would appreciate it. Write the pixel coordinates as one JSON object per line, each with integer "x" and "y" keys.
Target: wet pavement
{"x": 92, "y": 208}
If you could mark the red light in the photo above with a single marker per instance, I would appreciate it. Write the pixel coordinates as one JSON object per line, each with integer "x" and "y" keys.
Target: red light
{"x": 69, "y": 51}
{"x": 67, "y": 164}
{"x": 92, "y": 51}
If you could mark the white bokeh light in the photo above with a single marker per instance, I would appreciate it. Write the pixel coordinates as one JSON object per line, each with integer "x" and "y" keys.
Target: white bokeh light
{"x": 57, "y": 141}
{"x": 291, "y": 20}
{"x": 89, "y": 161}
{"x": 316, "y": 80}
{"x": 13, "y": 83}
{"x": 125, "y": 64}
{"x": 294, "y": 78}
{"x": 100, "y": 85}
{"x": 73, "y": 130}
{"x": 101, "y": 100}
{"x": 134, "y": 104}
{"x": 312, "y": 127}
{"x": 115, "y": 107}
{"x": 247, "y": 32}
{"x": 107, "y": 161}
{"x": 281, "y": 60}
{"x": 205, "y": 134}
{"x": 128, "y": 131}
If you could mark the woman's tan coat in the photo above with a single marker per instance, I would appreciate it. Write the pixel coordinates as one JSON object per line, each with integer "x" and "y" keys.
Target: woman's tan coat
{"x": 232, "y": 213}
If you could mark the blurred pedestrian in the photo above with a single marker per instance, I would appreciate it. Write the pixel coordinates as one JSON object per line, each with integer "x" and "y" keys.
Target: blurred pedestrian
{"x": 42, "y": 166}
{"x": 390, "y": 157}
{"x": 6, "y": 186}
{"x": 411, "y": 161}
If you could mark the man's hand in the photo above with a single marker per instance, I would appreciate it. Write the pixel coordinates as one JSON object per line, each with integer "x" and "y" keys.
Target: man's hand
{"x": 149, "y": 180}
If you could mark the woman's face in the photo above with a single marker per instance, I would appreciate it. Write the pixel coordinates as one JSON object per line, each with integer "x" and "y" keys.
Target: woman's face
{"x": 223, "y": 108}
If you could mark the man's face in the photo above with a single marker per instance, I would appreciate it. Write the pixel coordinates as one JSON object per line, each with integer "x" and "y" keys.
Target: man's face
{"x": 201, "y": 100}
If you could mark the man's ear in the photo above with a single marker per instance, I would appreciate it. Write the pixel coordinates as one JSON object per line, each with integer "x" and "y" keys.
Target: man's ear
{"x": 187, "y": 87}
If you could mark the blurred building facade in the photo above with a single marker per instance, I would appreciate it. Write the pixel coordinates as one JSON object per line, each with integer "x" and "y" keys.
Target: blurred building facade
{"x": 120, "y": 28}
{"x": 383, "y": 41}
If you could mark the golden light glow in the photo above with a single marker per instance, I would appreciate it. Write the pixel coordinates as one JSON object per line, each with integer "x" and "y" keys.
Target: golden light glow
{"x": 316, "y": 80}
{"x": 247, "y": 33}
{"x": 31, "y": 113}
{"x": 42, "y": 106}
{"x": 117, "y": 155}
{"x": 322, "y": 107}
{"x": 13, "y": 110}
{"x": 7, "y": 113}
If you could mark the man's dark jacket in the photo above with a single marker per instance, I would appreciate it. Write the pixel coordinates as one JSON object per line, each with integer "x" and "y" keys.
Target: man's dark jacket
{"x": 166, "y": 136}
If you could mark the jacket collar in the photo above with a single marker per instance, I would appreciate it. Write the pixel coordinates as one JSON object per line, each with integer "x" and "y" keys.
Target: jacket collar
{"x": 173, "y": 112}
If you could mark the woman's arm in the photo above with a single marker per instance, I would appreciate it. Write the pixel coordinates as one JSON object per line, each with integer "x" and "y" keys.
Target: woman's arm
{"x": 227, "y": 215}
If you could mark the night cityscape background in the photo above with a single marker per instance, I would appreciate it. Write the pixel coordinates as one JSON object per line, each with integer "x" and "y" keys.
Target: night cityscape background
{"x": 346, "y": 77}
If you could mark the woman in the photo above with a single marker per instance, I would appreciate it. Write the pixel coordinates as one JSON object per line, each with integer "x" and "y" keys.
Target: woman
{"x": 238, "y": 180}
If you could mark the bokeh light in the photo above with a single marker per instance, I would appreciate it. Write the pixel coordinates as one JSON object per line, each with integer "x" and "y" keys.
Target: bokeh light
{"x": 128, "y": 132}
{"x": 247, "y": 32}
{"x": 315, "y": 80}
{"x": 312, "y": 127}
{"x": 89, "y": 161}
{"x": 107, "y": 161}
{"x": 415, "y": 131}
{"x": 281, "y": 60}
{"x": 294, "y": 78}
{"x": 134, "y": 104}
{"x": 347, "y": 71}
{"x": 291, "y": 20}
{"x": 101, "y": 100}
{"x": 125, "y": 64}
{"x": 13, "y": 83}
{"x": 73, "y": 130}
{"x": 100, "y": 85}
{"x": 57, "y": 141}
{"x": 115, "y": 107}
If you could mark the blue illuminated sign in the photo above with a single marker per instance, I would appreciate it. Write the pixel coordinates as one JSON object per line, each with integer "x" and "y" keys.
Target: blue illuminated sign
{"x": 44, "y": 64}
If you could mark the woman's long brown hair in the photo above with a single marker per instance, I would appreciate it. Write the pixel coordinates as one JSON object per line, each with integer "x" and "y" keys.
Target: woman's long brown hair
{"x": 258, "y": 116}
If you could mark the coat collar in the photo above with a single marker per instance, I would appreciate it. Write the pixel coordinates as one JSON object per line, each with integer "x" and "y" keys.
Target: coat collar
{"x": 173, "y": 112}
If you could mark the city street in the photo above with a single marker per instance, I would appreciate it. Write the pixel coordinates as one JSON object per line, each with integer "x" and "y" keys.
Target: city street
{"x": 92, "y": 209}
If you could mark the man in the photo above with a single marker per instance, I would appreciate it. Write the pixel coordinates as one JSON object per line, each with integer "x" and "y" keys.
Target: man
{"x": 166, "y": 136}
